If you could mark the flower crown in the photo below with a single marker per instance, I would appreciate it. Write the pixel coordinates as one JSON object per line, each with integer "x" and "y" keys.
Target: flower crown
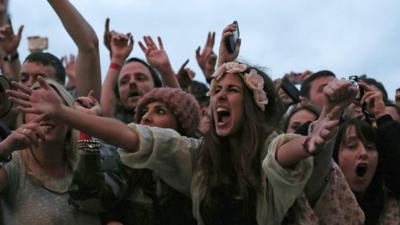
{"x": 252, "y": 80}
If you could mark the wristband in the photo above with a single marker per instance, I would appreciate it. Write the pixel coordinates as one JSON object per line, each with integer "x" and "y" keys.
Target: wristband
{"x": 10, "y": 58}
{"x": 84, "y": 136}
{"x": 115, "y": 66}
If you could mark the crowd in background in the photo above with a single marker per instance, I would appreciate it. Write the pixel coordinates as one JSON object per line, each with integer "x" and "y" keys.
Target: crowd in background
{"x": 153, "y": 146}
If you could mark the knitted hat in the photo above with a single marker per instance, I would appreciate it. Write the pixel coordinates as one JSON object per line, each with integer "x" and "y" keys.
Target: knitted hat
{"x": 183, "y": 105}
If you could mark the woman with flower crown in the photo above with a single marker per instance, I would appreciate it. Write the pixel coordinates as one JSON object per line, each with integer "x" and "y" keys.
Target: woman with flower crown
{"x": 241, "y": 172}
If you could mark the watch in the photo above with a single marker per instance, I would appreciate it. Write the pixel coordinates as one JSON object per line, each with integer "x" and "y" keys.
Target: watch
{"x": 10, "y": 58}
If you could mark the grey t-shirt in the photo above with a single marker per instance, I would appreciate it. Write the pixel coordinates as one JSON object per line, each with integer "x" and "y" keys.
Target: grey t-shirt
{"x": 26, "y": 201}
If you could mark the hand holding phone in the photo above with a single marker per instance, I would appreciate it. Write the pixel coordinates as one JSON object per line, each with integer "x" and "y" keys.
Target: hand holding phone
{"x": 232, "y": 40}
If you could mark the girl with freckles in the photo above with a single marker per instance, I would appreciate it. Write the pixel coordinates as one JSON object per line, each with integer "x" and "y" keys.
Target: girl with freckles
{"x": 241, "y": 172}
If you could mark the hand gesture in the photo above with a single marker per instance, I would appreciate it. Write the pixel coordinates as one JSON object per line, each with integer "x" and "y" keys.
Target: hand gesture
{"x": 323, "y": 130}
{"x": 121, "y": 46}
{"x": 185, "y": 75}
{"x": 9, "y": 42}
{"x": 69, "y": 63}
{"x": 156, "y": 56}
{"x": 338, "y": 93}
{"x": 372, "y": 100}
{"x": 43, "y": 100}
{"x": 27, "y": 135}
{"x": 88, "y": 104}
{"x": 207, "y": 58}
{"x": 107, "y": 36}
{"x": 224, "y": 54}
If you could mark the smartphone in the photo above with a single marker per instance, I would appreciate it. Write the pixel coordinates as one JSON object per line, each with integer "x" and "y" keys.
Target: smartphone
{"x": 231, "y": 41}
{"x": 290, "y": 90}
{"x": 37, "y": 43}
{"x": 5, "y": 103}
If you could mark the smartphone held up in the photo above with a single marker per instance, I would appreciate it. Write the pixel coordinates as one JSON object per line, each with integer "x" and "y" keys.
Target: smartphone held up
{"x": 232, "y": 40}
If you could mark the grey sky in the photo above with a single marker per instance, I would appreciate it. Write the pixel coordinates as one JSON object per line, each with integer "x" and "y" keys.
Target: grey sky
{"x": 347, "y": 37}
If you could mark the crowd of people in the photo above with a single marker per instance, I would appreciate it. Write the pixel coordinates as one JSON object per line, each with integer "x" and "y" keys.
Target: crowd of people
{"x": 152, "y": 146}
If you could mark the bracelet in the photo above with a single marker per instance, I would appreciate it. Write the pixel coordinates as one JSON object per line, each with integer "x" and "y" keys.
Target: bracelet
{"x": 306, "y": 146}
{"x": 89, "y": 146}
{"x": 115, "y": 66}
{"x": 10, "y": 58}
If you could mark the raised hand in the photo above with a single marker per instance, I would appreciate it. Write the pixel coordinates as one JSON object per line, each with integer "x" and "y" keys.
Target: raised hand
{"x": 9, "y": 41}
{"x": 338, "y": 93}
{"x": 107, "y": 36}
{"x": 43, "y": 100}
{"x": 372, "y": 100}
{"x": 323, "y": 130}
{"x": 121, "y": 46}
{"x": 206, "y": 58}
{"x": 88, "y": 104}
{"x": 155, "y": 55}
{"x": 185, "y": 75}
{"x": 27, "y": 135}
{"x": 224, "y": 54}
{"x": 69, "y": 63}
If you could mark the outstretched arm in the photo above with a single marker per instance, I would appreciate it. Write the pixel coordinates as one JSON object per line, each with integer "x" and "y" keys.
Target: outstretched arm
{"x": 44, "y": 101}
{"x": 121, "y": 46}
{"x": 88, "y": 74}
{"x": 224, "y": 55}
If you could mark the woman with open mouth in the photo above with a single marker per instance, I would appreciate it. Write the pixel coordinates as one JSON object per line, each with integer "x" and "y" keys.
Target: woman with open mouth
{"x": 357, "y": 156}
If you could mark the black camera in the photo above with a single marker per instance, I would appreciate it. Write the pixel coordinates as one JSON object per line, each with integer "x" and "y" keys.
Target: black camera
{"x": 231, "y": 41}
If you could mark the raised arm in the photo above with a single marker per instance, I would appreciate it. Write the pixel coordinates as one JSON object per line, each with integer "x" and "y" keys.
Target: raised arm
{"x": 206, "y": 58}
{"x": 9, "y": 42}
{"x": 157, "y": 57}
{"x": 224, "y": 54}
{"x": 44, "y": 101}
{"x": 121, "y": 45}
{"x": 88, "y": 73}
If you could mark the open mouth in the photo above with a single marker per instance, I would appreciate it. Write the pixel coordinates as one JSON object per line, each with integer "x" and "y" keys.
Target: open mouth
{"x": 47, "y": 126}
{"x": 134, "y": 94}
{"x": 361, "y": 169}
{"x": 222, "y": 115}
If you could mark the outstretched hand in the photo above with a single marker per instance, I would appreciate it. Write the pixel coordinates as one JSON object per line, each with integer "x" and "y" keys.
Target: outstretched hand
{"x": 107, "y": 35}
{"x": 206, "y": 58}
{"x": 43, "y": 100}
{"x": 9, "y": 41}
{"x": 185, "y": 75}
{"x": 373, "y": 100}
{"x": 88, "y": 104}
{"x": 322, "y": 130}
{"x": 27, "y": 135}
{"x": 338, "y": 93}
{"x": 224, "y": 54}
{"x": 155, "y": 55}
{"x": 69, "y": 63}
{"x": 121, "y": 46}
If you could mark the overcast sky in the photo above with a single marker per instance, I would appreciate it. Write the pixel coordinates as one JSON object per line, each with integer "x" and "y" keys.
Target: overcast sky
{"x": 348, "y": 37}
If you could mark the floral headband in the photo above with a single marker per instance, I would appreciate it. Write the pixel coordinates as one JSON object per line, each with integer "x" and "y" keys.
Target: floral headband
{"x": 252, "y": 80}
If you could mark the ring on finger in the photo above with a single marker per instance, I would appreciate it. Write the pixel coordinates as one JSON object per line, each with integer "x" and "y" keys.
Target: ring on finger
{"x": 24, "y": 131}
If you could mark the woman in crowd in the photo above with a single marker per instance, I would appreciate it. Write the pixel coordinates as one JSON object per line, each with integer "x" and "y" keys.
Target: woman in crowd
{"x": 150, "y": 200}
{"x": 299, "y": 115}
{"x": 357, "y": 155}
{"x": 34, "y": 184}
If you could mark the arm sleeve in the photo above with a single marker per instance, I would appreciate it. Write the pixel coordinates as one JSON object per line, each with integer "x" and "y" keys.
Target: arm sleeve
{"x": 284, "y": 185}
{"x": 165, "y": 152}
